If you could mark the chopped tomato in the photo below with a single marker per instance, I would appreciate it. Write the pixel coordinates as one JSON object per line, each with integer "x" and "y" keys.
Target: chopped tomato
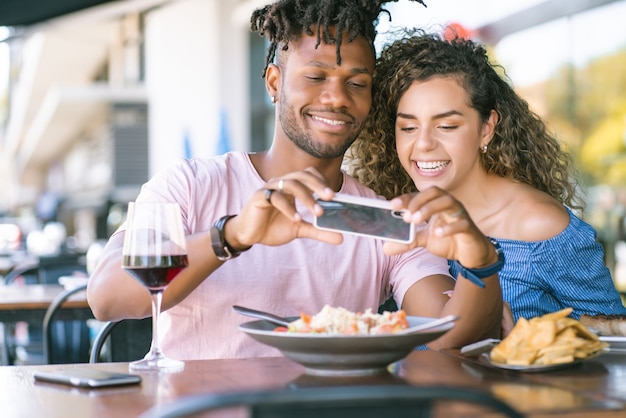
{"x": 281, "y": 329}
{"x": 351, "y": 330}
{"x": 305, "y": 318}
{"x": 400, "y": 318}
{"x": 386, "y": 329}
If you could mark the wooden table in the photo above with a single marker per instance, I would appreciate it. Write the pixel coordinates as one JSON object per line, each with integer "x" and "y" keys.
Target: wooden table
{"x": 28, "y": 303}
{"x": 596, "y": 388}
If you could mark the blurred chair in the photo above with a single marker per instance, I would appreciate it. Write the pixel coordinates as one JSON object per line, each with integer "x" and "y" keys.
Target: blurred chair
{"x": 27, "y": 271}
{"x": 337, "y": 402}
{"x": 97, "y": 345}
{"x": 67, "y": 264}
{"x": 128, "y": 340}
{"x": 64, "y": 341}
{"x": 48, "y": 270}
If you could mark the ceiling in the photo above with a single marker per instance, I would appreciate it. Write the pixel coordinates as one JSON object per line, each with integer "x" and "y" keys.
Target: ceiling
{"x": 53, "y": 116}
{"x": 30, "y": 12}
{"x": 535, "y": 15}
{"x": 57, "y": 96}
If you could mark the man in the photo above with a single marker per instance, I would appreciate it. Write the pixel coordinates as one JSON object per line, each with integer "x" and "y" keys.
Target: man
{"x": 321, "y": 85}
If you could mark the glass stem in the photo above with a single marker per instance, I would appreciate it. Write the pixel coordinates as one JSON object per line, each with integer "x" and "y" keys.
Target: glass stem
{"x": 155, "y": 346}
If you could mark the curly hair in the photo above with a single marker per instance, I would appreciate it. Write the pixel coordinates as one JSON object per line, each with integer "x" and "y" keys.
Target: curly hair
{"x": 522, "y": 149}
{"x": 286, "y": 20}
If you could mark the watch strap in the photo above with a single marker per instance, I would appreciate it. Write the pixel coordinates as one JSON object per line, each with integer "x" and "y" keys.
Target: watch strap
{"x": 476, "y": 275}
{"x": 221, "y": 247}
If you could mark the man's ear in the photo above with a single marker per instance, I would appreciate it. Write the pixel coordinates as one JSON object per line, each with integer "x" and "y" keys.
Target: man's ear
{"x": 273, "y": 80}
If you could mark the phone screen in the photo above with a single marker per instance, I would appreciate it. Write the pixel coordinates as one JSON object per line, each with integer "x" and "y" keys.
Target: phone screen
{"x": 89, "y": 378}
{"x": 366, "y": 219}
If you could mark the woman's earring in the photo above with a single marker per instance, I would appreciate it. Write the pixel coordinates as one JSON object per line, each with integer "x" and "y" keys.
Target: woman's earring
{"x": 483, "y": 149}
{"x": 273, "y": 99}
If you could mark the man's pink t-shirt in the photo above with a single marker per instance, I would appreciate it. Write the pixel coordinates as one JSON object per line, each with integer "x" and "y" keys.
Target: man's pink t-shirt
{"x": 301, "y": 276}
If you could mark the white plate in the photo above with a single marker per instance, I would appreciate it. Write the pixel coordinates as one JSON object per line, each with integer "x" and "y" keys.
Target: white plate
{"x": 533, "y": 368}
{"x": 343, "y": 355}
{"x": 616, "y": 344}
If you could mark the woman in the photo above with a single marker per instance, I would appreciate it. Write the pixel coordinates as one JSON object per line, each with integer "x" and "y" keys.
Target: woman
{"x": 468, "y": 142}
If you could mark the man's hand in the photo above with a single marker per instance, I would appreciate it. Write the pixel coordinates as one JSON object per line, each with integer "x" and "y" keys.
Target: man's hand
{"x": 270, "y": 217}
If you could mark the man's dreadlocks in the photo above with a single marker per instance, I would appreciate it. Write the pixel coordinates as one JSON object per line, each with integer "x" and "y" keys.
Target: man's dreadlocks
{"x": 286, "y": 20}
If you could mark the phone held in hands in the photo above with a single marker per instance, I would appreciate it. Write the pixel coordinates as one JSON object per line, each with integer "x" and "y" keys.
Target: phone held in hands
{"x": 86, "y": 378}
{"x": 364, "y": 216}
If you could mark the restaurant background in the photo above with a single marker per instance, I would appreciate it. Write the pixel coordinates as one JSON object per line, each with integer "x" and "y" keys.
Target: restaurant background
{"x": 95, "y": 102}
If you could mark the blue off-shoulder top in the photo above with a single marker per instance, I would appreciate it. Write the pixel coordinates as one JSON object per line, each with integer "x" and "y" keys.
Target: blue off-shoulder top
{"x": 567, "y": 270}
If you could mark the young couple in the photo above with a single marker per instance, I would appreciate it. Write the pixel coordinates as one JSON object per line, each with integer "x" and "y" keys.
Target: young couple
{"x": 319, "y": 73}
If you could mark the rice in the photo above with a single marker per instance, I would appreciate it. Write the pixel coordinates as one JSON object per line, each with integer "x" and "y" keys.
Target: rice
{"x": 342, "y": 321}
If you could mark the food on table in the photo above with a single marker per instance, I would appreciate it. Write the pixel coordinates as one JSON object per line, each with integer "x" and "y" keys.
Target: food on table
{"x": 614, "y": 325}
{"x": 342, "y": 321}
{"x": 549, "y": 339}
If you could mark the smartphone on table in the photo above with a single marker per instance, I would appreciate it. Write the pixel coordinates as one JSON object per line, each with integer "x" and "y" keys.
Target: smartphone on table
{"x": 364, "y": 216}
{"x": 86, "y": 377}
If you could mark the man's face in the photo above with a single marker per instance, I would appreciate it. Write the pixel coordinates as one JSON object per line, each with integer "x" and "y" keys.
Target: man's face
{"x": 323, "y": 106}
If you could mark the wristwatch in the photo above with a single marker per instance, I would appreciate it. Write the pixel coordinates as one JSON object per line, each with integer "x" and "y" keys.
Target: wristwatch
{"x": 221, "y": 247}
{"x": 475, "y": 275}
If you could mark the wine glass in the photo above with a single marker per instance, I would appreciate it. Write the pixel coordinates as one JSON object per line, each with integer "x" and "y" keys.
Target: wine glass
{"x": 154, "y": 252}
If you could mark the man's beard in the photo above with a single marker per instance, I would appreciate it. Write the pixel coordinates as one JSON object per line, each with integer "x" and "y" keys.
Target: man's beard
{"x": 303, "y": 140}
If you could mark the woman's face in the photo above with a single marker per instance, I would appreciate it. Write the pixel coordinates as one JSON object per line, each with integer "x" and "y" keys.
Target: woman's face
{"x": 439, "y": 135}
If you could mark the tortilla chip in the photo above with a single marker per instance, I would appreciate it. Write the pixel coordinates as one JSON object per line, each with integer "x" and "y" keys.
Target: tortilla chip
{"x": 553, "y": 338}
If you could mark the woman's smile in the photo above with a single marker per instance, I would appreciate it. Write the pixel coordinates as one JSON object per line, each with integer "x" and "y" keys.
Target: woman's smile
{"x": 431, "y": 168}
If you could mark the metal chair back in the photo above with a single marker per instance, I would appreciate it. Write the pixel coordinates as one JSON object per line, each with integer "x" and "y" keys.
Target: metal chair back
{"x": 396, "y": 401}
{"x": 64, "y": 341}
{"x": 129, "y": 340}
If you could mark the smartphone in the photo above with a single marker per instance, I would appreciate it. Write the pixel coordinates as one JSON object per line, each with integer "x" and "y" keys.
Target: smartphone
{"x": 86, "y": 378}
{"x": 365, "y": 217}
{"x": 479, "y": 347}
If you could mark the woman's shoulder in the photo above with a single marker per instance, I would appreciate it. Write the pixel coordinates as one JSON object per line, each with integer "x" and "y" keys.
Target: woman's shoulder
{"x": 537, "y": 216}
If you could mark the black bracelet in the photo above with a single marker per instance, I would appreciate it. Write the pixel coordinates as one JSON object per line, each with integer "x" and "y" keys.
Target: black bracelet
{"x": 475, "y": 275}
{"x": 221, "y": 247}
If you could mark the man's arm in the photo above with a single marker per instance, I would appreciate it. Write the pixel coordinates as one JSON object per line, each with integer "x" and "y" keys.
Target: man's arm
{"x": 113, "y": 294}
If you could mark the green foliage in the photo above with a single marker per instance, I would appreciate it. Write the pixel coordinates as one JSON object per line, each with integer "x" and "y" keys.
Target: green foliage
{"x": 604, "y": 152}
{"x": 589, "y": 107}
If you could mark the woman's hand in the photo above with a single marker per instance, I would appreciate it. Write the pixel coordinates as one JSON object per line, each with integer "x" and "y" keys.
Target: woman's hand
{"x": 444, "y": 227}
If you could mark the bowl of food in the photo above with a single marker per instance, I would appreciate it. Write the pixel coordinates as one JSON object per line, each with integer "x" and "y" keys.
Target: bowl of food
{"x": 336, "y": 342}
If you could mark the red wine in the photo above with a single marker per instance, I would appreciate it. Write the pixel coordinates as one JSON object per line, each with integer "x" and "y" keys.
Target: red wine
{"x": 154, "y": 272}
